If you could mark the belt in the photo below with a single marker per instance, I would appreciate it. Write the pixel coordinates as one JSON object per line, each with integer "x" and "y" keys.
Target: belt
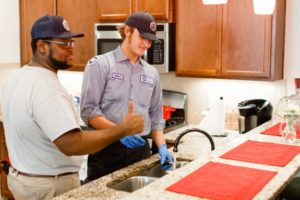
{"x": 42, "y": 176}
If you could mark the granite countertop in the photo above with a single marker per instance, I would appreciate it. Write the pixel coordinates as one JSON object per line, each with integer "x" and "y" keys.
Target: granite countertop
{"x": 196, "y": 147}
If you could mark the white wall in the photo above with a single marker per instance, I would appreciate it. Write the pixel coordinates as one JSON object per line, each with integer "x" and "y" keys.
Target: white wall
{"x": 200, "y": 90}
{"x": 10, "y": 31}
{"x": 292, "y": 44}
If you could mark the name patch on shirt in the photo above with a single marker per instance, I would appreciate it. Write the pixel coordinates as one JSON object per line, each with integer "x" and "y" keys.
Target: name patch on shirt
{"x": 147, "y": 79}
{"x": 117, "y": 76}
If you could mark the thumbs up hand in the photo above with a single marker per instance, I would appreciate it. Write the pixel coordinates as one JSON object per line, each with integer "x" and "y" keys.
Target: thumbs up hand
{"x": 133, "y": 122}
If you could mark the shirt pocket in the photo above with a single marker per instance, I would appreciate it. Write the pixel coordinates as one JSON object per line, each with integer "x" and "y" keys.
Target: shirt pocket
{"x": 145, "y": 94}
{"x": 115, "y": 89}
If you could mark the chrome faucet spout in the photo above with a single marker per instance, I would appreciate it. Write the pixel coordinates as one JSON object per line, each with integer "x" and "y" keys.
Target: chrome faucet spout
{"x": 175, "y": 149}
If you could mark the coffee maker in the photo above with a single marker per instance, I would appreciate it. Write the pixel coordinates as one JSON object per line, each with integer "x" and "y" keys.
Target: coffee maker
{"x": 253, "y": 113}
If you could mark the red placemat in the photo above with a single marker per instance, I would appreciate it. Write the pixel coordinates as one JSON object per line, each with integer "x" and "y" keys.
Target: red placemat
{"x": 220, "y": 181}
{"x": 274, "y": 130}
{"x": 263, "y": 153}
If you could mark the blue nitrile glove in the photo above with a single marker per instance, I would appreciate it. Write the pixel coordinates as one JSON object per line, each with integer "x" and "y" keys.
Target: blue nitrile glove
{"x": 132, "y": 141}
{"x": 164, "y": 153}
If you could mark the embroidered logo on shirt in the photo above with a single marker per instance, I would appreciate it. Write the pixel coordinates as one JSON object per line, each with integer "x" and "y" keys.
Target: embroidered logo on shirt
{"x": 93, "y": 60}
{"x": 147, "y": 79}
{"x": 118, "y": 76}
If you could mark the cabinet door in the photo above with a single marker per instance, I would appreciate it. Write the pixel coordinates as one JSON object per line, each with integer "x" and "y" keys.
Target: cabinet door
{"x": 30, "y": 11}
{"x": 116, "y": 10}
{"x": 81, "y": 18}
{"x": 160, "y": 9}
{"x": 198, "y": 39}
{"x": 229, "y": 41}
{"x": 4, "y": 155}
{"x": 246, "y": 41}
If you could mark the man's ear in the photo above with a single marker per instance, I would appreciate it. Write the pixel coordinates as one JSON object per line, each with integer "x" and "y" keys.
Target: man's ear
{"x": 127, "y": 30}
{"x": 41, "y": 46}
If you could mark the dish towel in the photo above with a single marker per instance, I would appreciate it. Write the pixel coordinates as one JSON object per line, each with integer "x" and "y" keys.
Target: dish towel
{"x": 263, "y": 153}
{"x": 220, "y": 181}
{"x": 274, "y": 130}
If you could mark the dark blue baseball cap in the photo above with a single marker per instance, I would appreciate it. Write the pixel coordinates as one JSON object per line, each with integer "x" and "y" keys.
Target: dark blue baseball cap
{"x": 52, "y": 27}
{"x": 145, "y": 23}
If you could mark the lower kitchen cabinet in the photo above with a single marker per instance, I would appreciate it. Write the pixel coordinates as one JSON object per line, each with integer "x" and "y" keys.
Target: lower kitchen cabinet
{"x": 229, "y": 41}
{"x": 4, "y": 155}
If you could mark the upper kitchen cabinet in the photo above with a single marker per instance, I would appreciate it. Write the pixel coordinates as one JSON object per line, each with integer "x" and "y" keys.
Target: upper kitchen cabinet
{"x": 30, "y": 11}
{"x": 119, "y": 10}
{"x": 229, "y": 41}
{"x": 81, "y": 17}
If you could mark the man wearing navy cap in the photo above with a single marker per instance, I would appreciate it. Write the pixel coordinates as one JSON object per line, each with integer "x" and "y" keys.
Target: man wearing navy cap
{"x": 109, "y": 81}
{"x": 43, "y": 136}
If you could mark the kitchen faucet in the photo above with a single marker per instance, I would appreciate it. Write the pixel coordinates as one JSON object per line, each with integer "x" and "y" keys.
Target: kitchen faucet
{"x": 193, "y": 130}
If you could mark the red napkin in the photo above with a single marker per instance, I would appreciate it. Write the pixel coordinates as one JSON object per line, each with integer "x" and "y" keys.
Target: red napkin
{"x": 263, "y": 153}
{"x": 274, "y": 130}
{"x": 221, "y": 181}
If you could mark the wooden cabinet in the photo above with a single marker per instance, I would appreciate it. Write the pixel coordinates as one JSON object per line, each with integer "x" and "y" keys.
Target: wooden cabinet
{"x": 30, "y": 11}
{"x": 4, "y": 155}
{"x": 119, "y": 10}
{"x": 229, "y": 41}
{"x": 80, "y": 16}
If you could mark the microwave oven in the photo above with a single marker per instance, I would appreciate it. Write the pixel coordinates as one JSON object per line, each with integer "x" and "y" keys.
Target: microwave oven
{"x": 161, "y": 54}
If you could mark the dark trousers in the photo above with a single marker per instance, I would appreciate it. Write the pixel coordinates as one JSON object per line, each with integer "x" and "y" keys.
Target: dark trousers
{"x": 114, "y": 157}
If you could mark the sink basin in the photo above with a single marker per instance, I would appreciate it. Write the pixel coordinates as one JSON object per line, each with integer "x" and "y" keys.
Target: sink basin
{"x": 146, "y": 177}
{"x": 157, "y": 170}
{"x": 133, "y": 183}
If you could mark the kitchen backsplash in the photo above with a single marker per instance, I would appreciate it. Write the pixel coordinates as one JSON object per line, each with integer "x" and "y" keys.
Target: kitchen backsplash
{"x": 200, "y": 91}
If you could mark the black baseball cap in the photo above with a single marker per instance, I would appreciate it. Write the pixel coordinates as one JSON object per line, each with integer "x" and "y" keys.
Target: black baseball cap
{"x": 52, "y": 27}
{"x": 144, "y": 23}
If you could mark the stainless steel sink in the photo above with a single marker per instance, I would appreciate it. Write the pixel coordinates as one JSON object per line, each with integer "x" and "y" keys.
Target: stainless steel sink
{"x": 146, "y": 177}
{"x": 158, "y": 171}
{"x": 133, "y": 183}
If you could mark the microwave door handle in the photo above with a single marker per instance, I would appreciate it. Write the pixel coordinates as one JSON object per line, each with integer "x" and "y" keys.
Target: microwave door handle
{"x": 146, "y": 56}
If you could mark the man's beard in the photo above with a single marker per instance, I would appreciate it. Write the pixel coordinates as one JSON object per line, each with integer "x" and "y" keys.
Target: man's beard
{"x": 58, "y": 64}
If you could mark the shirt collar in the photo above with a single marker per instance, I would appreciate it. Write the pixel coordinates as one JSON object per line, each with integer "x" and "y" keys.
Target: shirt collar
{"x": 120, "y": 56}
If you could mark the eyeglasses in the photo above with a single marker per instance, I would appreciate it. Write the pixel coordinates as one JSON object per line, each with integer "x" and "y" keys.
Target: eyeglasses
{"x": 69, "y": 44}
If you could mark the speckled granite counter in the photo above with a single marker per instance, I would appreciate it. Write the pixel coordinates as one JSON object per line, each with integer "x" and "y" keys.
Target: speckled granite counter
{"x": 194, "y": 146}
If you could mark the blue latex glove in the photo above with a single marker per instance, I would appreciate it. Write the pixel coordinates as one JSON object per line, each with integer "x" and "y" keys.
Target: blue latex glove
{"x": 165, "y": 155}
{"x": 132, "y": 141}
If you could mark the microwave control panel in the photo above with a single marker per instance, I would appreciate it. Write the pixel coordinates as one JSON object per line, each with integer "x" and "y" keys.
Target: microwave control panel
{"x": 156, "y": 52}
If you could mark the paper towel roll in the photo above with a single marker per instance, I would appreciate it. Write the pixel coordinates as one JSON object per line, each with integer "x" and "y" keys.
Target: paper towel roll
{"x": 214, "y": 121}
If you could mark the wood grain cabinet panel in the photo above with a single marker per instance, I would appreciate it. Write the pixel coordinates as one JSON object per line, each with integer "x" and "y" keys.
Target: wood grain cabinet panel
{"x": 81, "y": 18}
{"x": 198, "y": 39}
{"x": 4, "y": 155}
{"x": 229, "y": 41}
{"x": 119, "y": 10}
{"x": 160, "y": 9}
{"x": 30, "y": 11}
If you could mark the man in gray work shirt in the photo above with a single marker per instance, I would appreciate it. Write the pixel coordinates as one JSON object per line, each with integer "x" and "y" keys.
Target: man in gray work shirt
{"x": 109, "y": 82}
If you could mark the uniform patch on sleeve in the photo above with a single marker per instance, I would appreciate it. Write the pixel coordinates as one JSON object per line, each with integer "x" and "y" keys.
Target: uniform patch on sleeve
{"x": 147, "y": 79}
{"x": 93, "y": 60}
{"x": 117, "y": 76}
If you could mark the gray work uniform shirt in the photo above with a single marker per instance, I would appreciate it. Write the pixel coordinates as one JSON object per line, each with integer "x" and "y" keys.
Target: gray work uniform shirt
{"x": 110, "y": 81}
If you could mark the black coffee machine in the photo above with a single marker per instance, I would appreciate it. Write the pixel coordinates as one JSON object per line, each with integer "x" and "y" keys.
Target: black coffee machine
{"x": 254, "y": 112}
